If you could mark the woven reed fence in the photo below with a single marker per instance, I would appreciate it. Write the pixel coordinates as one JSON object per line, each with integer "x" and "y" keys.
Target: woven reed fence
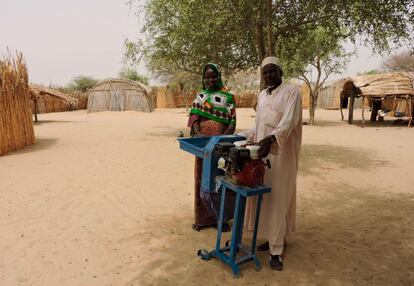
{"x": 16, "y": 126}
{"x": 168, "y": 98}
{"x": 81, "y": 97}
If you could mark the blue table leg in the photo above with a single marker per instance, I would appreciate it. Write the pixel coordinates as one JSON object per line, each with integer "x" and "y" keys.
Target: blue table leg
{"x": 256, "y": 226}
{"x": 220, "y": 221}
{"x": 242, "y": 209}
{"x": 235, "y": 231}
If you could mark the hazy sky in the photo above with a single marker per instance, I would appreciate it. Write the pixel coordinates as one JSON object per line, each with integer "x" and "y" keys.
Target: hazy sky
{"x": 63, "y": 39}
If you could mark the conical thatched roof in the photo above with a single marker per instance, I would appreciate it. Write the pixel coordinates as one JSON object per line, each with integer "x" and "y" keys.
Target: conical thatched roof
{"x": 119, "y": 95}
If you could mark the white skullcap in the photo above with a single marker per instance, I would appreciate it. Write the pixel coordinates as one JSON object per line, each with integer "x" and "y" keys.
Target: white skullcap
{"x": 270, "y": 60}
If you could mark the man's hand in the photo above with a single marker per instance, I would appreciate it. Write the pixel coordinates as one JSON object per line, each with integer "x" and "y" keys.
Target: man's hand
{"x": 265, "y": 145}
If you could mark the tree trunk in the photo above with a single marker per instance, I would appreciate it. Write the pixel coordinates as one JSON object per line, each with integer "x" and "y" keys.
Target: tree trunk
{"x": 270, "y": 44}
{"x": 312, "y": 105}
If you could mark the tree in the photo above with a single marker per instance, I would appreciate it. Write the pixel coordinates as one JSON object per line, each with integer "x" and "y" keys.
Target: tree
{"x": 321, "y": 55}
{"x": 184, "y": 35}
{"x": 132, "y": 74}
{"x": 368, "y": 72}
{"x": 82, "y": 83}
{"x": 403, "y": 61}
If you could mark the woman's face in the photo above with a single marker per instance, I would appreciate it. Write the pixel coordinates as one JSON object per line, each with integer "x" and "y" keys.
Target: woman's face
{"x": 210, "y": 78}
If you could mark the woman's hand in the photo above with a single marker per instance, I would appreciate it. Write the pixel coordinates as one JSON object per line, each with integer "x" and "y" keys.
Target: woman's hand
{"x": 198, "y": 134}
{"x": 229, "y": 130}
{"x": 196, "y": 129}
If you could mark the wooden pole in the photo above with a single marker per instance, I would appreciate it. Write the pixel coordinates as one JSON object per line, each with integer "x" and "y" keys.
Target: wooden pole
{"x": 363, "y": 111}
{"x": 410, "y": 106}
{"x": 351, "y": 108}
{"x": 35, "y": 110}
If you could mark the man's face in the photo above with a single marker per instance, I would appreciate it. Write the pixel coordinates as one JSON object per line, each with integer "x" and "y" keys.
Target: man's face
{"x": 271, "y": 75}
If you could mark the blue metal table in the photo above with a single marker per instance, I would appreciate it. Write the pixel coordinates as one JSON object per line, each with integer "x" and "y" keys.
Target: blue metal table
{"x": 235, "y": 246}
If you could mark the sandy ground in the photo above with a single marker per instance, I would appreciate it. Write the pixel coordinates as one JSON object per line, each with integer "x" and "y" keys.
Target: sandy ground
{"x": 107, "y": 199}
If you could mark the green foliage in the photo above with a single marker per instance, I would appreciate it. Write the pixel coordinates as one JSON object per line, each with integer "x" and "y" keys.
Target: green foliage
{"x": 321, "y": 49}
{"x": 82, "y": 83}
{"x": 369, "y": 72}
{"x": 237, "y": 35}
{"x": 184, "y": 81}
{"x": 132, "y": 74}
{"x": 184, "y": 35}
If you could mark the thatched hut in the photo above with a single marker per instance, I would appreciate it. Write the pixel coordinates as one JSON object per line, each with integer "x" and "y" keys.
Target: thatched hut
{"x": 387, "y": 91}
{"x": 45, "y": 100}
{"x": 16, "y": 126}
{"x": 119, "y": 95}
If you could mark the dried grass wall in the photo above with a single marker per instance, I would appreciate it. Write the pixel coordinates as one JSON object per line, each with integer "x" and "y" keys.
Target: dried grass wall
{"x": 305, "y": 96}
{"x": 16, "y": 126}
{"x": 164, "y": 98}
{"x": 169, "y": 98}
{"x": 247, "y": 98}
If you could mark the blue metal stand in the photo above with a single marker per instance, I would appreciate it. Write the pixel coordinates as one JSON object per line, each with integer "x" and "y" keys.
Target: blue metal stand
{"x": 242, "y": 193}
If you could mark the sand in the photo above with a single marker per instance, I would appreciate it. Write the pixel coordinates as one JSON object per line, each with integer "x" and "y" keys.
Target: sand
{"x": 107, "y": 199}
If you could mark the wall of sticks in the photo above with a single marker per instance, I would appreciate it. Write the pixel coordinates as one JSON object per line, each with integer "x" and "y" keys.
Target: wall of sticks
{"x": 16, "y": 125}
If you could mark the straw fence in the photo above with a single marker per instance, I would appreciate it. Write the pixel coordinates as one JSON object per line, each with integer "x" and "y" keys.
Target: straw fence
{"x": 164, "y": 97}
{"x": 16, "y": 126}
{"x": 81, "y": 97}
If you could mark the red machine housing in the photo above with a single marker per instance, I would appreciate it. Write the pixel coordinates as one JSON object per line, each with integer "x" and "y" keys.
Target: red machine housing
{"x": 252, "y": 173}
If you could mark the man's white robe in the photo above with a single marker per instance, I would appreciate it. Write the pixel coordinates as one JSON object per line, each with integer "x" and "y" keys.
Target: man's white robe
{"x": 278, "y": 114}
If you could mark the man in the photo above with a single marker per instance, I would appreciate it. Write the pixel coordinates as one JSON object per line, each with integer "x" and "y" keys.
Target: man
{"x": 278, "y": 129}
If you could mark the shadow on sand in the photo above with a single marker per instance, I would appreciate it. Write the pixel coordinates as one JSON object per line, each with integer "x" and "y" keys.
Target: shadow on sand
{"x": 318, "y": 159}
{"x": 40, "y": 144}
{"x": 40, "y": 122}
{"x": 382, "y": 124}
{"x": 347, "y": 236}
{"x": 325, "y": 123}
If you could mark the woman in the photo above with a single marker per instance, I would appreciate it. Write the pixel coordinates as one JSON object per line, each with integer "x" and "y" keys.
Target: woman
{"x": 213, "y": 113}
